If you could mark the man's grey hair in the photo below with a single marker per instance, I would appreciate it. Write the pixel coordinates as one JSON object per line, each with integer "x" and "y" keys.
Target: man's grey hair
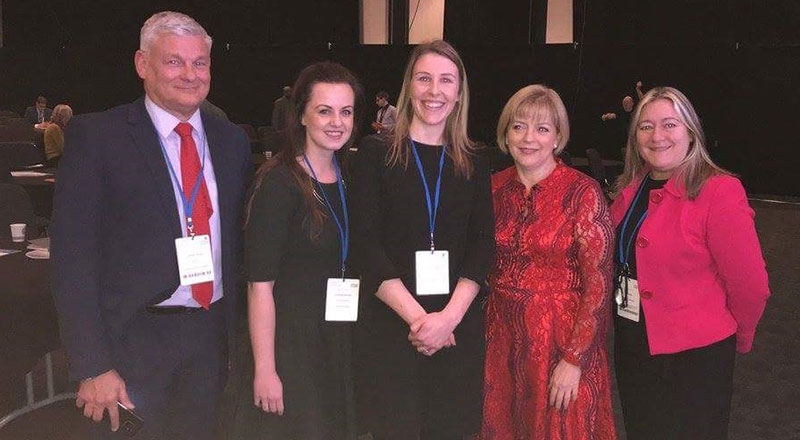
{"x": 168, "y": 22}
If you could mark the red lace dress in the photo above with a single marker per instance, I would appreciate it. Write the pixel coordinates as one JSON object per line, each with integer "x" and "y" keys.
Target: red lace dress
{"x": 549, "y": 300}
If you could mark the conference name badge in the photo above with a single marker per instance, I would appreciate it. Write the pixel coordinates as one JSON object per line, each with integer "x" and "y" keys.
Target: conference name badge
{"x": 341, "y": 301}
{"x": 433, "y": 272}
{"x": 195, "y": 264}
{"x": 631, "y": 309}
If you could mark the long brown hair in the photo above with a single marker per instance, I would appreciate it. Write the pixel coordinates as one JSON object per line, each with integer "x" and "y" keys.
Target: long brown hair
{"x": 457, "y": 142}
{"x": 294, "y": 142}
{"x": 696, "y": 167}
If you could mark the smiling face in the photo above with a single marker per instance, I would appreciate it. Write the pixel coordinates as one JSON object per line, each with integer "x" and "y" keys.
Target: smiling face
{"x": 328, "y": 116}
{"x": 177, "y": 73}
{"x": 532, "y": 141}
{"x": 662, "y": 138}
{"x": 434, "y": 90}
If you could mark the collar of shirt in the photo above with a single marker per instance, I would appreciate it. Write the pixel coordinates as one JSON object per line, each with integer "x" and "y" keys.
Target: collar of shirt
{"x": 165, "y": 122}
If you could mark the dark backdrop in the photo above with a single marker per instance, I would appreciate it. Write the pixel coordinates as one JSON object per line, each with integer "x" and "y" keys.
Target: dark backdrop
{"x": 738, "y": 62}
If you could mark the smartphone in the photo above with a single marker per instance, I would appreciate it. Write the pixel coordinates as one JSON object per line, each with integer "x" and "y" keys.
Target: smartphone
{"x": 129, "y": 422}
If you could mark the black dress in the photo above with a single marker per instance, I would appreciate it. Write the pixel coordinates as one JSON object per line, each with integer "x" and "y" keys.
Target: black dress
{"x": 400, "y": 391}
{"x": 313, "y": 357}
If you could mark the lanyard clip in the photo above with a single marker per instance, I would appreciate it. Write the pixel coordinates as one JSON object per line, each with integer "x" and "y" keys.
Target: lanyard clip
{"x": 432, "y": 247}
{"x": 190, "y": 226}
{"x": 342, "y": 272}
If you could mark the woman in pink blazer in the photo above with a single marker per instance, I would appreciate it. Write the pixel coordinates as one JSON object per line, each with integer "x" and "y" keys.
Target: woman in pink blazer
{"x": 691, "y": 284}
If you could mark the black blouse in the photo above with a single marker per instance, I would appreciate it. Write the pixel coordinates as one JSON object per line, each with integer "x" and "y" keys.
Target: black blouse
{"x": 636, "y": 211}
{"x": 390, "y": 218}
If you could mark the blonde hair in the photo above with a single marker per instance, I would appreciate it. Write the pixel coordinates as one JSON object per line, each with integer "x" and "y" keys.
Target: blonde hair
{"x": 457, "y": 142}
{"x": 695, "y": 168}
{"x": 61, "y": 115}
{"x": 540, "y": 103}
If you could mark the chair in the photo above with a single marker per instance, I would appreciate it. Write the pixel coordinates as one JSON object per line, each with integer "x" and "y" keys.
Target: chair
{"x": 8, "y": 114}
{"x": 21, "y": 154}
{"x": 597, "y": 169}
{"x": 55, "y": 365}
{"x": 16, "y": 207}
{"x": 17, "y": 130}
{"x": 566, "y": 158}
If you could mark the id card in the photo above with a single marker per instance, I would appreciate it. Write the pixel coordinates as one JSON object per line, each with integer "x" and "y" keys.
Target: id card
{"x": 341, "y": 301}
{"x": 631, "y": 311}
{"x": 433, "y": 272}
{"x": 194, "y": 259}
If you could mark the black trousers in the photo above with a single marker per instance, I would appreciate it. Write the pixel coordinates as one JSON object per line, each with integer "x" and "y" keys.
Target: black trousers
{"x": 174, "y": 367}
{"x": 685, "y": 395}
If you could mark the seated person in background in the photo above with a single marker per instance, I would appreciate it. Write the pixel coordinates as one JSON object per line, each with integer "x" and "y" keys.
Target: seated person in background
{"x": 54, "y": 134}
{"x": 387, "y": 113}
{"x": 38, "y": 113}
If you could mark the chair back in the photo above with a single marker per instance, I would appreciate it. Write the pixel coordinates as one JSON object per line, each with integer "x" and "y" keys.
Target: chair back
{"x": 21, "y": 154}
{"x": 15, "y": 207}
{"x": 596, "y": 167}
{"x": 17, "y": 130}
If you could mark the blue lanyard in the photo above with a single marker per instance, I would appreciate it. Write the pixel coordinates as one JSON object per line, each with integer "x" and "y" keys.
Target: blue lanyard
{"x": 188, "y": 205}
{"x": 344, "y": 233}
{"x": 432, "y": 209}
{"x": 624, "y": 258}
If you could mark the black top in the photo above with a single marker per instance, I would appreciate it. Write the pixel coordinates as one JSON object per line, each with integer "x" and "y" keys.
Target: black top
{"x": 390, "y": 218}
{"x": 636, "y": 211}
{"x": 312, "y": 356}
{"x": 400, "y": 390}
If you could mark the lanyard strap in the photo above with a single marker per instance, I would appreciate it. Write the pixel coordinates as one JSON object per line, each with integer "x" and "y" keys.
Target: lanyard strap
{"x": 432, "y": 209}
{"x": 188, "y": 205}
{"x": 624, "y": 257}
{"x": 344, "y": 232}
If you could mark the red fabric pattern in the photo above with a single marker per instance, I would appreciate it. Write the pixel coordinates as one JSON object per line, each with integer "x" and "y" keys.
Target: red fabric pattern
{"x": 190, "y": 168}
{"x": 549, "y": 300}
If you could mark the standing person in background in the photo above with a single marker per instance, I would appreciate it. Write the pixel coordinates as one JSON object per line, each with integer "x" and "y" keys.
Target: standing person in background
{"x": 54, "y": 134}
{"x": 423, "y": 239}
{"x": 690, "y": 278}
{"x": 281, "y": 109}
{"x": 38, "y": 113}
{"x": 387, "y": 114}
{"x": 547, "y": 373}
{"x": 296, "y": 248}
{"x": 146, "y": 243}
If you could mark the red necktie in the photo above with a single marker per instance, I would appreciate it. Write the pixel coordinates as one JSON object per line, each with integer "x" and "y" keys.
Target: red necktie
{"x": 190, "y": 168}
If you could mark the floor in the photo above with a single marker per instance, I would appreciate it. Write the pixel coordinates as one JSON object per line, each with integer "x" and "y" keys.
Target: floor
{"x": 766, "y": 401}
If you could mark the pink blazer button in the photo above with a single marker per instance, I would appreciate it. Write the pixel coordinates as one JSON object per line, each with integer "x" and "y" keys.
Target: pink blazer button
{"x": 656, "y": 197}
{"x": 642, "y": 242}
{"x": 646, "y": 294}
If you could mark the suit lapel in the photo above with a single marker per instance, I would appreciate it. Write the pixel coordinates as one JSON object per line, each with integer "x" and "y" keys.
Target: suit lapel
{"x": 145, "y": 139}
{"x": 216, "y": 148}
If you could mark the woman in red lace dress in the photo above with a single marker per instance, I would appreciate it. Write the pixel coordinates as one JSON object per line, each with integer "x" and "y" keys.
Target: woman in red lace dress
{"x": 547, "y": 374}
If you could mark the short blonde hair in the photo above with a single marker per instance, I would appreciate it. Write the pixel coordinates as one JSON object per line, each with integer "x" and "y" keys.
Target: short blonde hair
{"x": 61, "y": 115}
{"x": 696, "y": 167}
{"x": 539, "y": 102}
{"x": 170, "y": 23}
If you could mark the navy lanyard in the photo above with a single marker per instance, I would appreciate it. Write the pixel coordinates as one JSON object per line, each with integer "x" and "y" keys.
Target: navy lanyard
{"x": 624, "y": 257}
{"x": 188, "y": 205}
{"x": 344, "y": 233}
{"x": 432, "y": 209}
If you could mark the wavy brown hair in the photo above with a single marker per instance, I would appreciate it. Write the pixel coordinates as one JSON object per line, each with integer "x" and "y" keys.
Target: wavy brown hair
{"x": 696, "y": 167}
{"x": 293, "y": 144}
{"x": 457, "y": 142}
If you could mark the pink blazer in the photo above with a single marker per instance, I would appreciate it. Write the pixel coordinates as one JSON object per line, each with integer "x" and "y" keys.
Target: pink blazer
{"x": 701, "y": 274}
